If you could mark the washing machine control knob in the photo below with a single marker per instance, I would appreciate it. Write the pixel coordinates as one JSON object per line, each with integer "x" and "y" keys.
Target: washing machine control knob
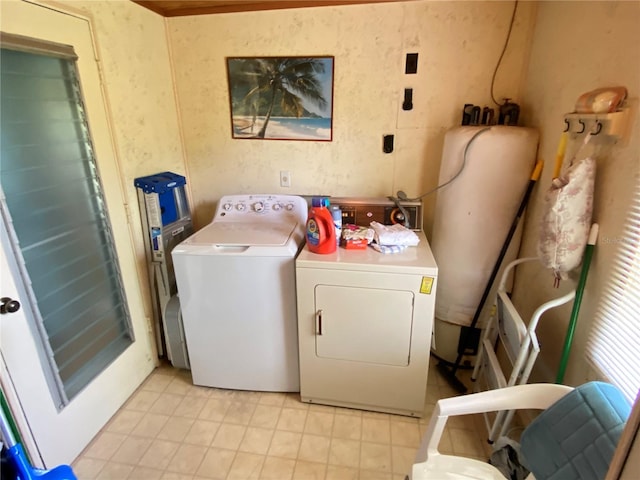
{"x": 227, "y": 206}
{"x": 258, "y": 206}
{"x": 277, "y": 206}
{"x": 240, "y": 207}
{"x": 289, "y": 206}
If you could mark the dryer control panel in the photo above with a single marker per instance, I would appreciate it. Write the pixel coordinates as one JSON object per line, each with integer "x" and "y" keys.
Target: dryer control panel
{"x": 363, "y": 211}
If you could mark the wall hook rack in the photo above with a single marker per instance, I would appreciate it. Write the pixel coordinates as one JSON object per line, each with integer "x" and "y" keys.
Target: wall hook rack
{"x": 613, "y": 124}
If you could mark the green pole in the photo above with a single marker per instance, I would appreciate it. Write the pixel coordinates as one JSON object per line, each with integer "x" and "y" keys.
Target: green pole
{"x": 586, "y": 261}
{"x": 7, "y": 413}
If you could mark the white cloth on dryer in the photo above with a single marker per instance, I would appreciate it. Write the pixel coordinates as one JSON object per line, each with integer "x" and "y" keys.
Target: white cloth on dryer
{"x": 389, "y": 248}
{"x": 394, "y": 235}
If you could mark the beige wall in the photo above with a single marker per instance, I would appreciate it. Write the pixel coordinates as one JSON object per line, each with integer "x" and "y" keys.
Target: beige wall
{"x": 549, "y": 63}
{"x": 579, "y": 46}
{"x": 458, "y": 45}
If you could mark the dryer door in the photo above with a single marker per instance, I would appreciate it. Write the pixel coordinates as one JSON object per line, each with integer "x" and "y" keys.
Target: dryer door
{"x": 367, "y": 325}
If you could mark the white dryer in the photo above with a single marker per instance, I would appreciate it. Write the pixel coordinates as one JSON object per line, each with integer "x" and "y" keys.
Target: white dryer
{"x": 236, "y": 282}
{"x": 364, "y": 327}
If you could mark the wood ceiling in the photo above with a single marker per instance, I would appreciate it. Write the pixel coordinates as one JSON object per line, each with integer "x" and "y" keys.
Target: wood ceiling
{"x": 171, "y": 8}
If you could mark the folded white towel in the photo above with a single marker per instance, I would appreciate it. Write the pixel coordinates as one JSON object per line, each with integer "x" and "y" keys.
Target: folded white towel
{"x": 389, "y": 248}
{"x": 394, "y": 235}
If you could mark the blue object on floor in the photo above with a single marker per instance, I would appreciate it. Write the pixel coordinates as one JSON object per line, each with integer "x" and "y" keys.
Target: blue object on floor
{"x": 20, "y": 462}
{"x": 575, "y": 438}
{"x": 26, "y": 472}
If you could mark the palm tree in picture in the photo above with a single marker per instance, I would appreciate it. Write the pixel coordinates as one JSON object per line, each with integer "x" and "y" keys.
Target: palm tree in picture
{"x": 288, "y": 79}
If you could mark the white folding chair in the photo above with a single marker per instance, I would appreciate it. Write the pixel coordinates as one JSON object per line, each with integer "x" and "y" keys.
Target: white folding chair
{"x": 507, "y": 333}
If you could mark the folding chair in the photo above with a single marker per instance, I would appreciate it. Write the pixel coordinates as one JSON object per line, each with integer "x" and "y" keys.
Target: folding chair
{"x": 506, "y": 332}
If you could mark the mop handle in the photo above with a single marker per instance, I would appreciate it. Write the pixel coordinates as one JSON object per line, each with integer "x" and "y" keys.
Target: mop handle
{"x": 537, "y": 171}
{"x": 535, "y": 176}
{"x": 5, "y": 428}
{"x": 562, "y": 147}
{"x": 588, "y": 253}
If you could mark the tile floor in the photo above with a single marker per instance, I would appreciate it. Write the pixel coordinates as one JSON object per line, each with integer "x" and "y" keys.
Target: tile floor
{"x": 170, "y": 429}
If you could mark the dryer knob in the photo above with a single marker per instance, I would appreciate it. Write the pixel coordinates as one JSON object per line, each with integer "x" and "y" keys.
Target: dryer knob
{"x": 227, "y": 206}
{"x": 277, "y": 206}
{"x": 289, "y": 206}
{"x": 258, "y": 206}
{"x": 240, "y": 207}
{"x": 397, "y": 216}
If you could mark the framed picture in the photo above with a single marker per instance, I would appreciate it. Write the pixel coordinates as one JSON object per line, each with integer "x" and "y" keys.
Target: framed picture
{"x": 281, "y": 98}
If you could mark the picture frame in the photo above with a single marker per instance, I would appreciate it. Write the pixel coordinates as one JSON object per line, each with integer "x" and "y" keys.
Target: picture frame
{"x": 281, "y": 98}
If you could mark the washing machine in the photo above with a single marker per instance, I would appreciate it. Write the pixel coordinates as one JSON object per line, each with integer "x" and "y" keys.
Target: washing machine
{"x": 236, "y": 283}
{"x": 364, "y": 325}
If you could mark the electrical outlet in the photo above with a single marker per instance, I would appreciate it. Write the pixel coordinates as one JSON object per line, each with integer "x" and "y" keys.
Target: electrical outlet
{"x": 285, "y": 178}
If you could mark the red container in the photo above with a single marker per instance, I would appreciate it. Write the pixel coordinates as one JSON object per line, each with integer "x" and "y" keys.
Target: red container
{"x": 321, "y": 233}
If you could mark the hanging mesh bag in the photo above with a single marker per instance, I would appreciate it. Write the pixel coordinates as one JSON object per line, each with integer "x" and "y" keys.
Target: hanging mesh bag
{"x": 565, "y": 225}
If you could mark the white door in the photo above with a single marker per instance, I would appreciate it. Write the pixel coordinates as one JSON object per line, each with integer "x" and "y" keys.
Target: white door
{"x": 55, "y": 435}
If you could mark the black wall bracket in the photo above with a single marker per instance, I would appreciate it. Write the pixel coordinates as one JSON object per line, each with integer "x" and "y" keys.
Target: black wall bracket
{"x": 387, "y": 143}
{"x": 408, "y": 99}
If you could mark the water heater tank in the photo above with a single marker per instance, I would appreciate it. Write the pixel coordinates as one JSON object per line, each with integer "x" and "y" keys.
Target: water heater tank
{"x": 472, "y": 218}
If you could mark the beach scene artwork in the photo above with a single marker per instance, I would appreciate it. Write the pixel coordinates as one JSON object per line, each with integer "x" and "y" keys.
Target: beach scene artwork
{"x": 281, "y": 98}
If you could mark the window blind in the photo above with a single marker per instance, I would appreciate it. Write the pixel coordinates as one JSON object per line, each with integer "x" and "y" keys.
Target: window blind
{"x": 613, "y": 346}
{"x": 54, "y": 201}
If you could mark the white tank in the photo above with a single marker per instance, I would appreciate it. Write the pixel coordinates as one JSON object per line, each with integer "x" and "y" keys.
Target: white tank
{"x": 472, "y": 218}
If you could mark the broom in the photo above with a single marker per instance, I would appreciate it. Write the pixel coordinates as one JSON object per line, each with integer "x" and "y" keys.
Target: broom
{"x": 450, "y": 375}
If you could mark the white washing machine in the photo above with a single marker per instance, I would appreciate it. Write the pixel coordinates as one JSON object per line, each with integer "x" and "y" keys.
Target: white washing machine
{"x": 364, "y": 327}
{"x": 236, "y": 282}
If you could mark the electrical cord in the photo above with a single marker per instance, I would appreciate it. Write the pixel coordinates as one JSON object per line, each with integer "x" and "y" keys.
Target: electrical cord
{"x": 401, "y": 196}
{"x": 504, "y": 49}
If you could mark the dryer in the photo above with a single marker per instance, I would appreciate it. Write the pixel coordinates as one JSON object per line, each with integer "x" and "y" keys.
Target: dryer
{"x": 364, "y": 325}
{"x": 236, "y": 282}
